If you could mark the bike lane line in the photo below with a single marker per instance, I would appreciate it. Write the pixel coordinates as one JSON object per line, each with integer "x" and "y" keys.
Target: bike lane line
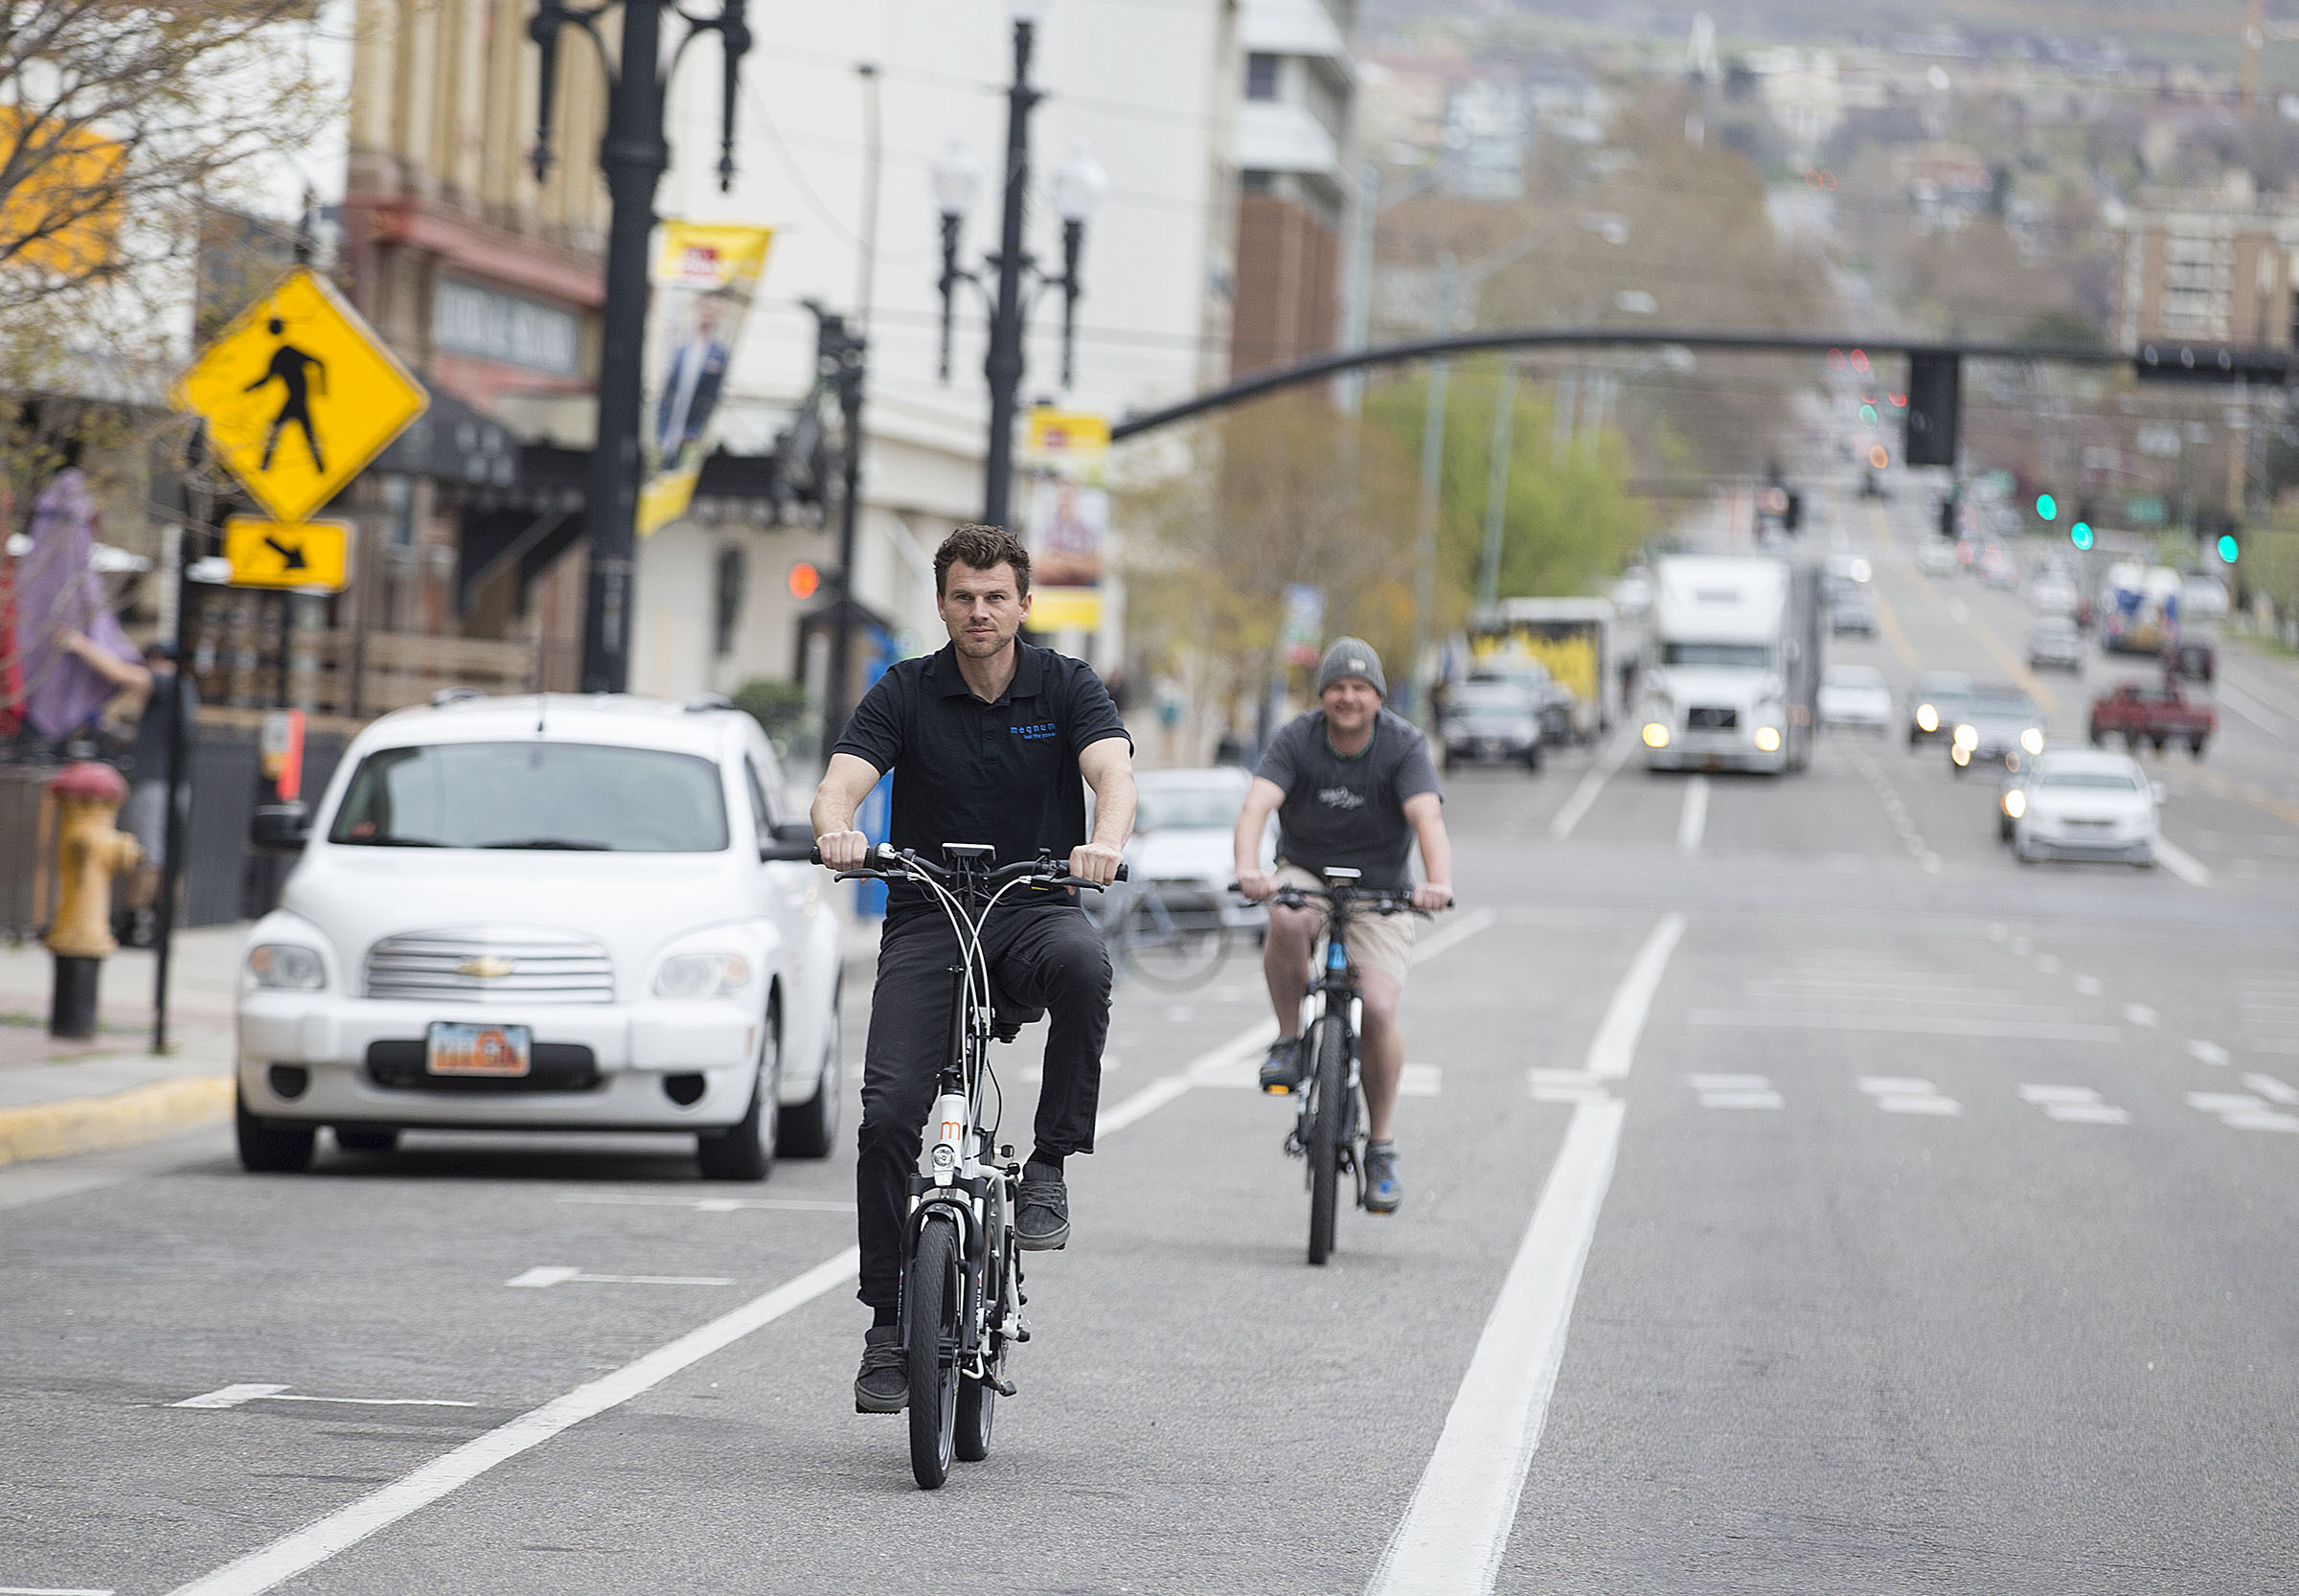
{"x": 1457, "y": 1524}
{"x": 304, "y": 1549}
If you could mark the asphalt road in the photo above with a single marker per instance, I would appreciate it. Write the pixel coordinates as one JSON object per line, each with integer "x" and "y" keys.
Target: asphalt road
{"x": 1802, "y": 1195}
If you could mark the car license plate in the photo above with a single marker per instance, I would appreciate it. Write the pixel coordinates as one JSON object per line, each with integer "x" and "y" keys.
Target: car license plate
{"x": 459, "y": 1049}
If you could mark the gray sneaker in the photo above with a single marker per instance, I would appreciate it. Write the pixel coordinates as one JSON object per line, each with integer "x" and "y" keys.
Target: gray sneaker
{"x": 1280, "y": 1071}
{"x": 1383, "y": 1190}
{"x": 883, "y": 1386}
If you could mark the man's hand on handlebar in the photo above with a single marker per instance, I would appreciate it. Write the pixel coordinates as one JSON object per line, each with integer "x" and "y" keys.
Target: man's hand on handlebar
{"x": 1097, "y": 862}
{"x": 1258, "y": 886}
{"x": 842, "y": 850}
{"x": 1429, "y": 897}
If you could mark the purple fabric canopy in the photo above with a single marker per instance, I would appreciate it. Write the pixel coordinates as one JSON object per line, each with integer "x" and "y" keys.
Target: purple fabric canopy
{"x": 55, "y": 586}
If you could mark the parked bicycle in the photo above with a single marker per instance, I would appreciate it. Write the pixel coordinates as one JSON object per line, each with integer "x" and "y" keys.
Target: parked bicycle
{"x": 961, "y": 1267}
{"x": 1329, "y": 1129}
{"x": 1174, "y": 935}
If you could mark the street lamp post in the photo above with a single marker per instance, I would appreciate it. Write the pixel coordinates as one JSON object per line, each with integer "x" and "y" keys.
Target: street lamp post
{"x": 632, "y": 154}
{"x": 1077, "y": 190}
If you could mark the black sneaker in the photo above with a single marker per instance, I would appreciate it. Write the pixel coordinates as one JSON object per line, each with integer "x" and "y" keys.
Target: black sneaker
{"x": 1280, "y": 1071}
{"x": 1383, "y": 1190}
{"x": 883, "y": 1386}
{"x": 1041, "y": 1215}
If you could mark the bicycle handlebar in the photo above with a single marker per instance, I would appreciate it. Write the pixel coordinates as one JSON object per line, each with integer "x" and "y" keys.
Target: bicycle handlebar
{"x": 885, "y": 862}
{"x": 1377, "y": 899}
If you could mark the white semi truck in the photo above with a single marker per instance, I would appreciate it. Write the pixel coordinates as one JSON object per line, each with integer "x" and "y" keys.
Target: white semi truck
{"x": 1734, "y": 664}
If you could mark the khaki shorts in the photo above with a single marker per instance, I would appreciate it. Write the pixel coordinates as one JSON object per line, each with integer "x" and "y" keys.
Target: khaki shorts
{"x": 1377, "y": 942}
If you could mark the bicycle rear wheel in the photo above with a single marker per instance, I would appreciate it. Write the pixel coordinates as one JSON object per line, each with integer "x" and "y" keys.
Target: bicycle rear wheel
{"x": 1172, "y": 936}
{"x": 935, "y": 1295}
{"x": 1328, "y": 1119}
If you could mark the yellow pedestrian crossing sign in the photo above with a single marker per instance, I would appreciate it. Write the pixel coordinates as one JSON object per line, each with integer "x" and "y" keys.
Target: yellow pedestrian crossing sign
{"x": 287, "y": 553}
{"x": 299, "y": 395}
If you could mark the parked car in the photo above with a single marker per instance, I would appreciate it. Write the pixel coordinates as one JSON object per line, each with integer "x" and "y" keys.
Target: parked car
{"x": 1994, "y": 725}
{"x": 1856, "y": 696}
{"x": 1934, "y": 704}
{"x": 1493, "y": 718}
{"x": 2054, "y": 643}
{"x": 1996, "y": 566}
{"x": 2138, "y": 712}
{"x": 1558, "y": 707}
{"x": 545, "y": 913}
{"x": 1183, "y": 830}
{"x": 2082, "y": 805}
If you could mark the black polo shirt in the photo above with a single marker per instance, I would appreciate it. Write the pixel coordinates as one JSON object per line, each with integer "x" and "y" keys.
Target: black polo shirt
{"x": 1003, "y": 772}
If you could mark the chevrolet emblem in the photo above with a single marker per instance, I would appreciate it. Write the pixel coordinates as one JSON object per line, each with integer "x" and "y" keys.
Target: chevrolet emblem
{"x": 487, "y": 966}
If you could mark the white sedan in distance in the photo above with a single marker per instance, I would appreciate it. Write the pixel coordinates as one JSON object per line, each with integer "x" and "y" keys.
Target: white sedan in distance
{"x": 2084, "y": 803}
{"x": 1856, "y": 696}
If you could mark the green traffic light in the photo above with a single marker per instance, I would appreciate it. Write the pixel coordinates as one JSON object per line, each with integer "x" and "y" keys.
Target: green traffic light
{"x": 2047, "y": 507}
{"x": 1868, "y": 414}
{"x": 2227, "y": 549}
{"x": 2079, "y": 534}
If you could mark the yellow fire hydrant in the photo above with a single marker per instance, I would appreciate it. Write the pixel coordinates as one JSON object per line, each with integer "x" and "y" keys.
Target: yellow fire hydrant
{"x": 89, "y": 851}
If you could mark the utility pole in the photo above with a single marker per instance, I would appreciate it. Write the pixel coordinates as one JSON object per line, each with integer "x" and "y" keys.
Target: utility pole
{"x": 1432, "y": 487}
{"x": 632, "y": 155}
{"x": 1496, "y": 487}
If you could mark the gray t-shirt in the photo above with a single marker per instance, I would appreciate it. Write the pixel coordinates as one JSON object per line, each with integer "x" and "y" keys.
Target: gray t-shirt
{"x": 1349, "y": 811}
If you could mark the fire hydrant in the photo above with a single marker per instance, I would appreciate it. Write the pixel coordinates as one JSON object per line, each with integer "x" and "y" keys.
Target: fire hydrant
{"x": 88, "y": 853}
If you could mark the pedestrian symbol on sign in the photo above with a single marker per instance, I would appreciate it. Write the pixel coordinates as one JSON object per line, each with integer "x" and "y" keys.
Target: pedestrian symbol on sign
{"x": 288, "y": 367}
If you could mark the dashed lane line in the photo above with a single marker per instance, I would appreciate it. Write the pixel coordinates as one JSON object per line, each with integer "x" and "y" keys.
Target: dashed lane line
{"x": 1694, "y": 819}
{"x": 1585, "y": 796}
{"x": 2180, "y": 863}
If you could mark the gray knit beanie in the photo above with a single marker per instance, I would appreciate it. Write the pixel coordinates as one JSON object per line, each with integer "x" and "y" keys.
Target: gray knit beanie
{"x": 1351, "y": 657}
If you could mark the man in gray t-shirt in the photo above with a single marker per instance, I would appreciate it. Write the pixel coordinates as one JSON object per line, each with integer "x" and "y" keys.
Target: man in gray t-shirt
{"x": 1351, "y": 786}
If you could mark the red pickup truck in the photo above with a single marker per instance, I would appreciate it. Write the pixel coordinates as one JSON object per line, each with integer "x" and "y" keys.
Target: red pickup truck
{"x": 2139, "y": 713}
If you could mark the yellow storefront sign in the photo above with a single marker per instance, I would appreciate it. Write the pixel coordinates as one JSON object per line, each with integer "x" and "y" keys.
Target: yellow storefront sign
{"x": 1065, "y": 610}
{"x": 299, "y": 395}
{"x": 287, "y": 553}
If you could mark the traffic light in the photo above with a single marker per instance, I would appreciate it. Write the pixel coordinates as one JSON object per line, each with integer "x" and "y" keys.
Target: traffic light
{"x": 2047, "y": 508}
{"x": 1935, "y": 394}
{"x": 2228, "y": 547}
{"x": 1947, "y": 517}
{"x": 2079, "y": 534}
{"x": 2210, "y": 363}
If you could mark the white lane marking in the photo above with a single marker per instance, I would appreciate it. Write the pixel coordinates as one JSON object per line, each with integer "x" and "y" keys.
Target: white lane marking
{"x": 1765, "y": 1098}
{"x": 235, "y": 1396}
{"x": 2047, "y": 963}
{"x": 1565, "y": 1085}
{"x": 1452, "y": 934}
{"x": 1909, "y": 1025}
{"x": 2211, "y": 1053}
{"x": 2180, "y": 863}
{"x": 2089, "y": 986}
{"x": 315, "y": 1542}
{"x": 2255, "y": 711}
{"x": 2074, "y": 1104}
{"x": 2139, "y": 1013}
{"x": 546, "y": 1276}
{"x": 1903, "y": 1094}
{"x": 708, "y": 1205}
{"x": 1585, "y": 795}
{"x": 2021, "y": 946}
{"x": 54, "y": 1591}
{"x": 2241, "y": 1111}
{"x": 2267, "y": 1086}
{"x": 1957, "y": 607}
{"x": 1694, "y": 820}
{"x": 1726, "y": 1082}
{"x": 1457, "y": 1524}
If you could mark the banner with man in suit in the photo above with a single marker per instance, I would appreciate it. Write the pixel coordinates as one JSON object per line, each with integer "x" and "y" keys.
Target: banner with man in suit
{"x": 704, "y": 277}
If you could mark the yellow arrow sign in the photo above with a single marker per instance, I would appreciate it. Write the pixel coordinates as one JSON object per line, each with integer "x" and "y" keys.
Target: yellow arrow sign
{"x": 287, "y": 553}
{"x": 299, "y": 395}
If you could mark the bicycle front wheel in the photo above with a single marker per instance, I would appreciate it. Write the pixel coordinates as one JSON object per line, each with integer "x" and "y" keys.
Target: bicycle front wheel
{"x": 1172, "y": 936}
{"x": 1328, "y": 1121}
{"x": 935, "y": 1295}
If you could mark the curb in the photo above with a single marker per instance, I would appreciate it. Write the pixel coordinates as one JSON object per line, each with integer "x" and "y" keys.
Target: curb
{"x": 123, "y": 1119}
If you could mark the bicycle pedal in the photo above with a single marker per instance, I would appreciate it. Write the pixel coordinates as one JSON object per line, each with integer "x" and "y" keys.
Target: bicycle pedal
{"x": 1003, "y": 1387}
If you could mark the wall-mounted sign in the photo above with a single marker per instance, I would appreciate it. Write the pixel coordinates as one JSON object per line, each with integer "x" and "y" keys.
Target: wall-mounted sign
{"x": 467, "y": 319}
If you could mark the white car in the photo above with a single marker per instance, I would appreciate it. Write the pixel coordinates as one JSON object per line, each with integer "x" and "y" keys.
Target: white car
{"x": 545, "y": 913}
{"x": 2079, "y": 803}
{"x": 1856, "y": 696}
{"x": 1183, "y": 835}
{"x": 1936, "y": 556}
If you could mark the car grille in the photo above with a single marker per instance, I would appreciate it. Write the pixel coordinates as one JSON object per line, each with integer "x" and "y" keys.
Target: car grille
{"x": 1708, "y": 717}
{"x": 403, "y": 1066}
{"x": 486, "y": 964}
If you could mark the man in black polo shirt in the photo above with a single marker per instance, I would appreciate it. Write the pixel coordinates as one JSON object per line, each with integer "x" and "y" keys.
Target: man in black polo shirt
{"x": 988, "y": 740}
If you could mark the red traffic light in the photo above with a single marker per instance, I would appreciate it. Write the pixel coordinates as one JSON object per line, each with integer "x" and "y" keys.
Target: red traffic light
{"x": 805, "y": 579}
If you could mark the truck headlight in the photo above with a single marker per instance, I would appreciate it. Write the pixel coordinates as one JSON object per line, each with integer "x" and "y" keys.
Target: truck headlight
{"x": 2031, "y": 741}
{"x": 1767, "y": 740}
{"x": 1656, "y": 735}
{"x": 284, "y": 966}
{"x": 2016, "y": 803}
{"x": 1968, "y": 737}
{"x": 702, "y": 975}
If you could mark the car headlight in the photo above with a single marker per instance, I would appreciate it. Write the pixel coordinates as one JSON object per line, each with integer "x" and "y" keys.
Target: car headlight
{"x": 284, "y": 966}
{"x": 1656, "y": 735}
{"x": 1960, "y": 754}
{"x": 1927, "y": 718}
{"x": 1968, "y": 737}
{"x": 1767, "y": 740}
{"x": 702, "y": 975}
{"x": 2016, "y": 803}
{"x": 2031, "y": 741}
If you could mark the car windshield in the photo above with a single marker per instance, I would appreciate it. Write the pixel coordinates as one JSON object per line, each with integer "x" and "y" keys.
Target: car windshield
{"x": 1741, "y": 656}
{"x": 547, "y": 796}
{"x": 2109, "y": 780}
{"x": 1855, "y": 675}
{"x": 2001, "y": 706}
{"x": 1530, "y": 673}
{"x": 1177, "y": 808}
{"x": 1935, "y": 688}
{"x": 1491, "y": 698}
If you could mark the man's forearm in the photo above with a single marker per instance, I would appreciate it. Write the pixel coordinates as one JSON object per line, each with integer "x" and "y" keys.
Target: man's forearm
{"x": 1436, "y": 853}
{"x": 830, "y": 813}
{"x": 1114, "y": 804}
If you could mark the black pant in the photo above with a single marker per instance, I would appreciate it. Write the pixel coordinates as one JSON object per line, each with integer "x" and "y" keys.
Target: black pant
{"x": 1049, "y": 958}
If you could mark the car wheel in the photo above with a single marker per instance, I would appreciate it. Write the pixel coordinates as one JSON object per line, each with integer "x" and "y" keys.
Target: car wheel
{"x": 2161, "y": 743}
{"x": 367, "y": 1138}
{"x": 2099, "y": 739}
{"x": 271, "y": 1148}
{"x": 745, "y": 1150}
{"x": 2195, "y": 746}
{"x": 1533, "y": 758}
{"x": 809, "y": 1128}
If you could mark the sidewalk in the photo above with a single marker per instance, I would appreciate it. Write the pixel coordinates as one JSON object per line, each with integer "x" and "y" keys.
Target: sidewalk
{"x": 62, "y": 1097}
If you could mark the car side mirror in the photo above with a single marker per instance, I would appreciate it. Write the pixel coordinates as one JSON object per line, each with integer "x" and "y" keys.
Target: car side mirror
{"x": 792, "y": 842}
{"x": 2159, "y": 791}
{"x": 279, "y": 827}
